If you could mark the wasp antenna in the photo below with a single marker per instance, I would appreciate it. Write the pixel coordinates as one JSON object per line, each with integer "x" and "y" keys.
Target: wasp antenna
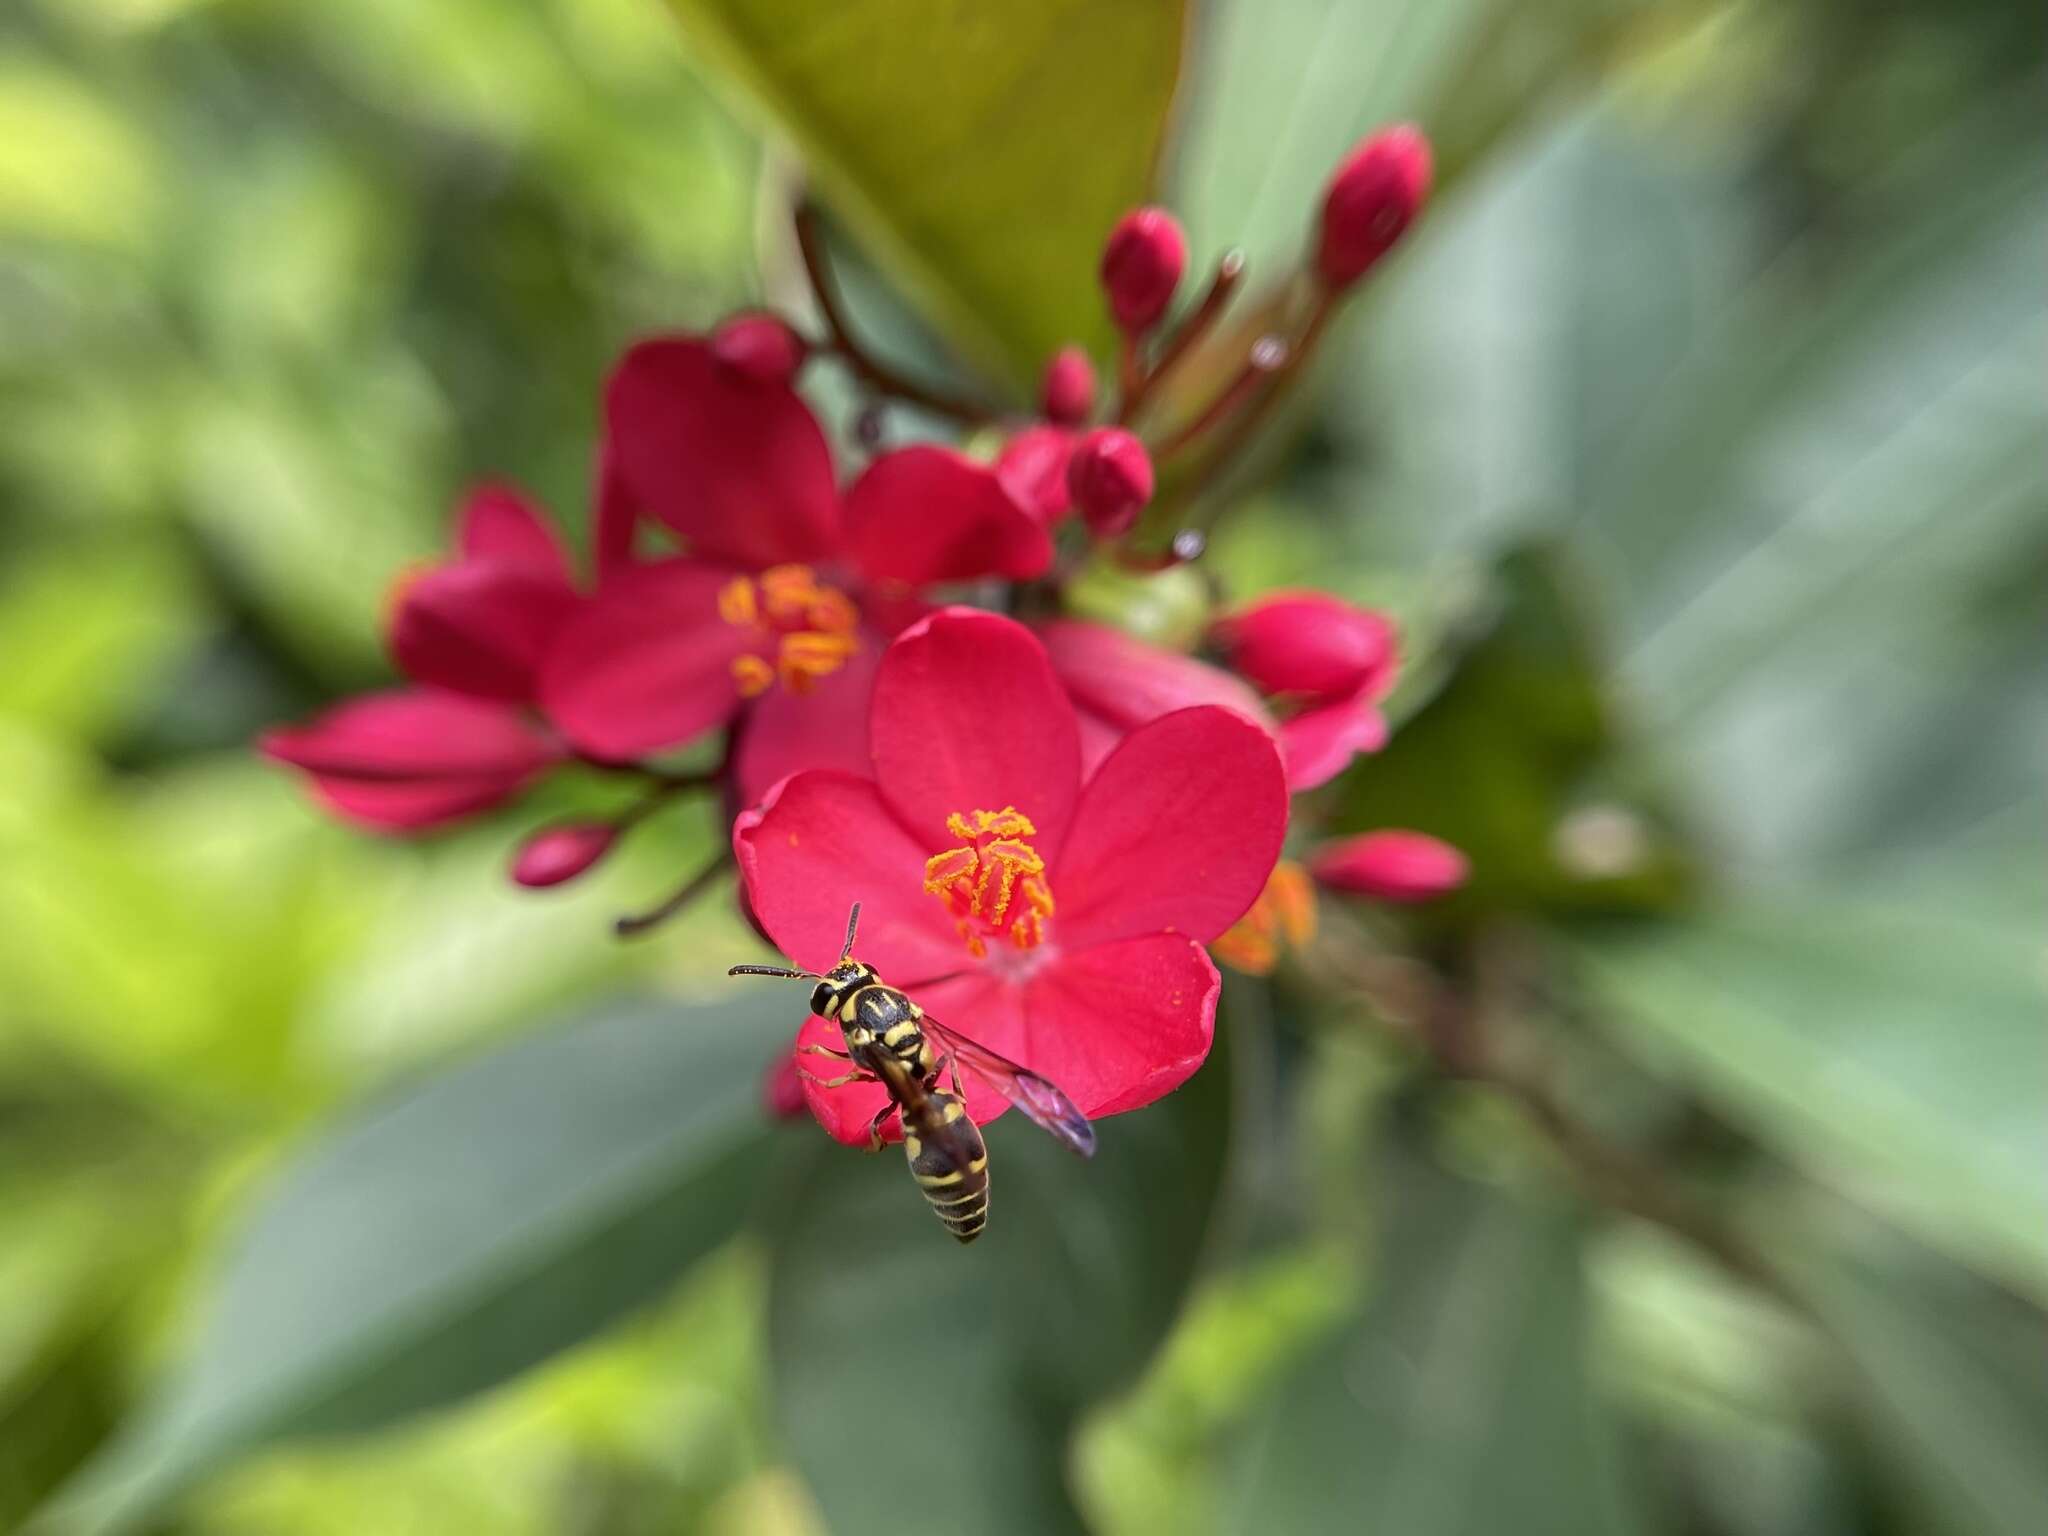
{"x": 782, "y": 971}
{"x": 852, "y": 927}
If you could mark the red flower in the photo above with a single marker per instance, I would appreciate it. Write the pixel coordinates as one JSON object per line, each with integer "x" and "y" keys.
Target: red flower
{"x": 1056, "y": 918}
{"x": 1118, "y": 682}
{"x": 473, "y": 631}
{"x": 785, "y": 581}
{"x": 1330, "y": 662}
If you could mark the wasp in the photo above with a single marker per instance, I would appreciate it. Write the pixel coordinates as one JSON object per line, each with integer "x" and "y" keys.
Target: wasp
{"x": 891, "y": 1041}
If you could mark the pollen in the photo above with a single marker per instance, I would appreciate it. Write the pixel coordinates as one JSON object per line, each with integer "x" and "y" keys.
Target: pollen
{"x": 994, "y": 882}
{"x": 801, "y": 629}
{"x": 1282, "y": 919}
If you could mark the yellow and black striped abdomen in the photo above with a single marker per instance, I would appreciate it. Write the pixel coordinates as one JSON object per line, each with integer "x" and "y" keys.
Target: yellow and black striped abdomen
{"x": 950, "y": 1163}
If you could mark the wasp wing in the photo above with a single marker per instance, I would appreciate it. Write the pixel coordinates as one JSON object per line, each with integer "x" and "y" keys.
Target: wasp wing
{"x": 1049, "y": 1109}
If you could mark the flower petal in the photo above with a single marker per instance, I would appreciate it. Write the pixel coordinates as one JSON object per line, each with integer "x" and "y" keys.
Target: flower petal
{"x": 1120, "y": 1025}
{"x": 1176, "y": 832}
{"x": 924, "y": 514}
{"x": 818, "y": 843}
{"x": 646, "y": 664}
{"x": 846, "y": 1112}
{"x": 1321, "y": 742}
{"x": 407, "y": 760}
{"x": 738, "y": 467}
{"x": 480, "y": 626}
{"x": 499, "y": 522}
{"x": 968, "y": 716}
{"x": 826, "y": 727}
{"x": 1120, "y": 681}
{"x": 1033, "y": 469}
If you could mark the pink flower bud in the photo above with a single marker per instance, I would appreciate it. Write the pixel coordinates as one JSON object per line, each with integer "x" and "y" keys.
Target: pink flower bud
{"x": 1372, "y": 198}
{"x": 1068, "y": 396}
{"x": 1142, "y": 264}
{"x": 1110, "y": 478}
{"x": 1391, "y": 866}
{"x": 562, "y": 852}
{"x": 760, "y": 347}
{"x": 1311, "y": 645}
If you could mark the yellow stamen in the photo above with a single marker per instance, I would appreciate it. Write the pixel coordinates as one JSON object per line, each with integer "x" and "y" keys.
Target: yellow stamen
{"x": 752, "y": 676}
{"x": 806, "y": 630}
{"x": 1283, "y": 918}
{"x": 994, "y": 882}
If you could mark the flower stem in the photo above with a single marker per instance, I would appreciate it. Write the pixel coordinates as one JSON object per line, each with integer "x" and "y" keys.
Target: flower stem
{"x": 1229, "y": 271}
{"x": 841, "y": 342}
{"x": 683, "y": 895}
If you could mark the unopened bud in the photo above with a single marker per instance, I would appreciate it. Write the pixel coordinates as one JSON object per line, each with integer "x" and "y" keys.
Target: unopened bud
{"x": 1390, "y": 866}
{"x": 1110, "y": 479}
{"x": 1310, "y": 645}
{"x": 760, "y": 347}
{"x": 562, "y": 852}
{"x": 1374, "y": 195}
{"x": 1142, "y": 265}
{"x": 1068, "y": 396}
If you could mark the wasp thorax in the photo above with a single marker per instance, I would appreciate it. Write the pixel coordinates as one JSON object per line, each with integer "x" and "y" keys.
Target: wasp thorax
{"x": 994, "y": 883}
{"x": 803, "y": 629}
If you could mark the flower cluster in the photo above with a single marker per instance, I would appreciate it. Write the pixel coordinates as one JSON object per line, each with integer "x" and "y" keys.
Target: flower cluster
{"x": 1045, "y": 819}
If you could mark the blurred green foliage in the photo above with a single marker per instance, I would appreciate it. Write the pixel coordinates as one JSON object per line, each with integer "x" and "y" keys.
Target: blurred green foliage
{"x": 1696, "y": 439}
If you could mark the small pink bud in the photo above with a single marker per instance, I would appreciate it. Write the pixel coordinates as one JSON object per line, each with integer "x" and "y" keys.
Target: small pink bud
{"x": 1374, "y": 195}
{"x": 759, "y": 347}
{"x": 562, "y": 852}
{"x": 782, "y": 1091}
{"x": 1068, "y": 397}
{"x": 1110, "y": 478}
{"x": 1311, "y": 645}
{"x": 1392, "y": 866}
{"x": 1142, "y": 264}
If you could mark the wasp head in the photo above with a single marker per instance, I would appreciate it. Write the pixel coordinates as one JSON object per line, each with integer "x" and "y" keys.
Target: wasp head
{"x": 838, "y": 984}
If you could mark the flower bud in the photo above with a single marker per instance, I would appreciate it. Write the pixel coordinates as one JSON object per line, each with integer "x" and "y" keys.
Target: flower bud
{"x": 1374, "y": 195}
{"x": 562, "y": 852}
{"x": 1142, "y": 264}
{"x": 1311, "y": 645}
{"x": 1391, "y": 866}
{"x": 760, "y": 347}
{"x": 1068, "y": 395}
{"x": 1110, "y": 478}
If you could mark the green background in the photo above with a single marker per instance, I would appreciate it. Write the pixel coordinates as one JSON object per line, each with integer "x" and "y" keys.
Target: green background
{"x": 1696, "y": 435}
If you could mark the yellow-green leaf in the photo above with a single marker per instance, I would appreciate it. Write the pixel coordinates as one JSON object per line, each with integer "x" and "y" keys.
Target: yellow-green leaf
{"x": 983, "y": 151}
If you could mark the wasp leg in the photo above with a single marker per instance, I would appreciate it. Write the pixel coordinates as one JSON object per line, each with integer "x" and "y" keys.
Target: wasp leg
{"x": 825, "y": 1050}
{"x": 836, "y": 1082}
{"x": 875, "y": 1126}
{"x": 949, "y": 1063}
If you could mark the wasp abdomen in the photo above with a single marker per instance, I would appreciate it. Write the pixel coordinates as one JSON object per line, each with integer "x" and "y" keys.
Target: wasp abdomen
{"x": 950, "y": 1163}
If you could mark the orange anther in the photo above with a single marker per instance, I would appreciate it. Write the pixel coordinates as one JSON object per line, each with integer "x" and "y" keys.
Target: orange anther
{"x": 736, "y": 603}
{"x": 752, "y": 676}
{"x": 994, "y": 882}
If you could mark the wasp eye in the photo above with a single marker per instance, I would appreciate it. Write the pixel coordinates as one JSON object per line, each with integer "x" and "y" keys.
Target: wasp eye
{"x": 821, "y": 998}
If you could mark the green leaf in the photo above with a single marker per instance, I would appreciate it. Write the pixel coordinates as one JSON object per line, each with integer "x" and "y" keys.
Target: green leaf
{"x": 465, "y": 1230}
{"x": 1947, "y": 1378}
{"x": 885, "y": 1335}
{"x": 1459, "y": 1401}
{"x": 1894, "y": 1050}
{"x": 982, "y": 151}
{"x": 1515, "y": 762}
